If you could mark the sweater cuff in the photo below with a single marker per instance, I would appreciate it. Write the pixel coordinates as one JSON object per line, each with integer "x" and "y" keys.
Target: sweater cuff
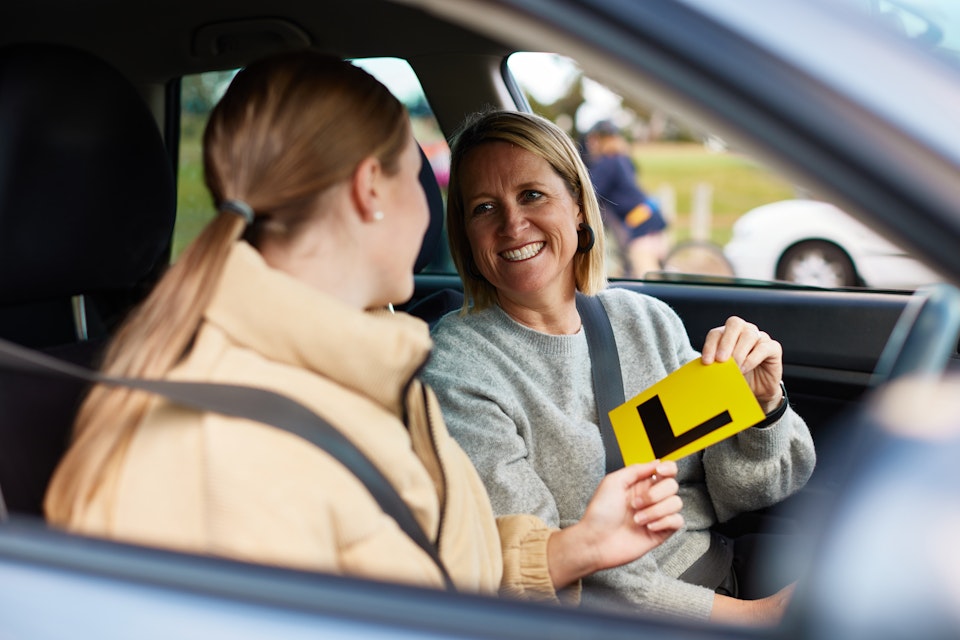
{"x": 777, "y": 413}
{"x": 526, "y": 573}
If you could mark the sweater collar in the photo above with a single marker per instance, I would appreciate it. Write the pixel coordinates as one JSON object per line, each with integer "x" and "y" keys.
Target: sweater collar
{"x": 286, "y": 320}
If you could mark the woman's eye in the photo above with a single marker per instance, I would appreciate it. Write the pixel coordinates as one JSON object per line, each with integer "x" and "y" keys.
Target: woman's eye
{"x": 532, "y": 194}
{"x": 482, "y": 208}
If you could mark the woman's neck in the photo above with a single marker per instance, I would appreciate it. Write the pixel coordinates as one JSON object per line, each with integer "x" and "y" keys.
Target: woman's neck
{"x": 558, "y": 317}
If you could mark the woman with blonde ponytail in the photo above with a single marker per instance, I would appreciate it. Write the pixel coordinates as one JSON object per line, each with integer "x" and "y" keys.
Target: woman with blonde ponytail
{"x": 314, "y": 170}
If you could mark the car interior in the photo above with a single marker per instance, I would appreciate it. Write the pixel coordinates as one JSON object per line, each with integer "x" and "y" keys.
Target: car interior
{"x": 90, "y": 125}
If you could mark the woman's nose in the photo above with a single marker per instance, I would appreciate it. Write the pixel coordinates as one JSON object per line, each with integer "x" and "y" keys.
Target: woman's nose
{"x": 513, "y": 220}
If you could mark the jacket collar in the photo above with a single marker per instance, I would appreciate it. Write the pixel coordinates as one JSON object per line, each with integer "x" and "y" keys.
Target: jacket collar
{"x": 286, "y": 320}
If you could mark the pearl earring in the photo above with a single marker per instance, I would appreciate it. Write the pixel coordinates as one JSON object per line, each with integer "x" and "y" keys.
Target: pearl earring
{"x": 378, "y": 215}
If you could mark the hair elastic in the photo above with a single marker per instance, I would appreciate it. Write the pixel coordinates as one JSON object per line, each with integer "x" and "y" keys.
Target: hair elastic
{"x": 238, "y": 207}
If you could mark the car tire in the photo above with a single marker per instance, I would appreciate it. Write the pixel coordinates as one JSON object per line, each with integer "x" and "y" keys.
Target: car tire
{"x": 817, "y": 263}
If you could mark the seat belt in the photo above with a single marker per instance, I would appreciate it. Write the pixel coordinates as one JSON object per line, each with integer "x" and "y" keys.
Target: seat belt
{"x": 251, "y": 403}
{"x": 605, "y": 368}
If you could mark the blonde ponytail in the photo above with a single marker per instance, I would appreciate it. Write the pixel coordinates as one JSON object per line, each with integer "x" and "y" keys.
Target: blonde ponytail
{"x": 150, "y": 342}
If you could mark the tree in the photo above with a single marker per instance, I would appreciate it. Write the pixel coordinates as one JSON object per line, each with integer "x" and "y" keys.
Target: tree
{"x": 563, "y": 110}
{"x": 199, "y": 93}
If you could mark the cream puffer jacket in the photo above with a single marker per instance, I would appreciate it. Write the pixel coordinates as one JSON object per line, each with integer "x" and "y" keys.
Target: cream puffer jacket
{"x": 206, "y": 483}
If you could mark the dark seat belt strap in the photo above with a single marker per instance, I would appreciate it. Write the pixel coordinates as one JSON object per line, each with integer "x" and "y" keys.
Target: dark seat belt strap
{"x": 605, "y": 367}
{"x": 251, "y": 403}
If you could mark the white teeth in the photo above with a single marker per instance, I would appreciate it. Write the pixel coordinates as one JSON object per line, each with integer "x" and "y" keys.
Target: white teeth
{"x": 524, "y": 252}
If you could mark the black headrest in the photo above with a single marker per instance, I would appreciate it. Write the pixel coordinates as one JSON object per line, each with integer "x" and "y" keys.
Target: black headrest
{"x": 87, "y": 196}
{"x": 431, "y": 239}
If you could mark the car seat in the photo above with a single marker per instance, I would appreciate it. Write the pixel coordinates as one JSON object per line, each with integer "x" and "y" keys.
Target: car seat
{"x": 433, "y": 238}
{"x": 435, "y": 305}
{"x": 87, "y": 206}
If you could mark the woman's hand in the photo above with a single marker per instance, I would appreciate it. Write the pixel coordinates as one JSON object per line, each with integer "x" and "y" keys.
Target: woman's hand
{"x": 759, "y": 357}
{"x": 632, "y": 511}
{"x": 765, "y": 612}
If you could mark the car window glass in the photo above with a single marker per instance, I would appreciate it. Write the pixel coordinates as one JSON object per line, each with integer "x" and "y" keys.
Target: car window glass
{"x": 726, "y": 214}
{"x": 402, "y": 81}
{"x": 933, "y": 25}
{"x": 199, "y": 94}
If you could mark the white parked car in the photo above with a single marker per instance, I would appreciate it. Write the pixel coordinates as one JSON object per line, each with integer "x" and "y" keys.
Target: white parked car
{"x": 815, "y": 243}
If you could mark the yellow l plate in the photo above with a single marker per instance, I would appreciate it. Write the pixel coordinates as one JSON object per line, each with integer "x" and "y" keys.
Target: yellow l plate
{"x": 694, "y": 407}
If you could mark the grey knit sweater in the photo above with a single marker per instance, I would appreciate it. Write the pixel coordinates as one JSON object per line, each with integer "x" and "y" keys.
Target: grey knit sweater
{"x": 521, "y": 404}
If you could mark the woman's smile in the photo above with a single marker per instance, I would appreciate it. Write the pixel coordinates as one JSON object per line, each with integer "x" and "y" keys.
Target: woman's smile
{"x": 525, "y": 252}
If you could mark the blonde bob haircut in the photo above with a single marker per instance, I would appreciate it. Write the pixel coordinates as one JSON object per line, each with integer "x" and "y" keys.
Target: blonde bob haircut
{"x": 541, "y": 137}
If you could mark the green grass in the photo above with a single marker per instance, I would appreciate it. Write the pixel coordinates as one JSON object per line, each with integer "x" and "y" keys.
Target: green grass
{"x": 194, "y": 206}
{"x": 738, "y": 183}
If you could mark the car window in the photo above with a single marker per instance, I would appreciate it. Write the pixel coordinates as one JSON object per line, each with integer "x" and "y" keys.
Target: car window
{"x": 726, "y": 214}
{"x": 199, "y": 94}
{"x": 402, "y": 81}
{"x": 933, "y": 25}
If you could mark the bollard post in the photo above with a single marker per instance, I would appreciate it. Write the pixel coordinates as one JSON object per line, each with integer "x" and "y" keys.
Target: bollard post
{"x": 701, "y": 214}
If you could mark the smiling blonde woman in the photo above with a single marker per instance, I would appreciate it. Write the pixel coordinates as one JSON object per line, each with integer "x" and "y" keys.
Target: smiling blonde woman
{"x": 513, "y": 373}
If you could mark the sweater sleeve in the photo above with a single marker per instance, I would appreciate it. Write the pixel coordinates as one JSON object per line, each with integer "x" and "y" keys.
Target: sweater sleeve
{"x": 526, "y": 572}
{"x": 642, "y": 586}
{"x": 759, "y": 466}
{"x": 485, "y": 430}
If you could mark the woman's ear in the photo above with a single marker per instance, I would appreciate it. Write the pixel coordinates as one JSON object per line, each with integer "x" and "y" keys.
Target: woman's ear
{"x": 365, "y": 188}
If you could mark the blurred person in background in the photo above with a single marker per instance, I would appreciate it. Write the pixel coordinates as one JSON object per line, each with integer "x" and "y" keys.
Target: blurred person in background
{"x": 635, "y": 218}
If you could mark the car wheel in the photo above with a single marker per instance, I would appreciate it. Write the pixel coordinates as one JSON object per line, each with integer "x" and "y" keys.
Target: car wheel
{"x": 817, "y": 263}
